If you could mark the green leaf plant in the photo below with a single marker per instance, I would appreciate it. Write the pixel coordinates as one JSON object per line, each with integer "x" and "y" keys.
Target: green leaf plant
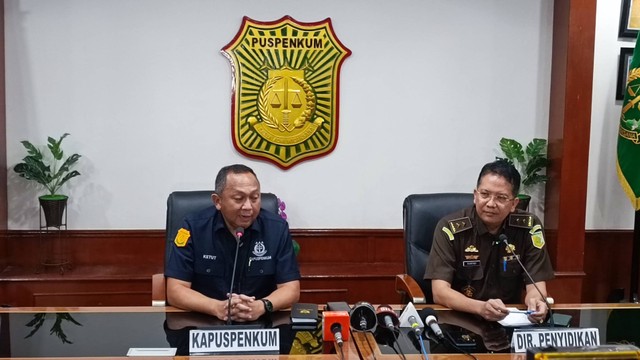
{"x": 530, "y": 161}
{"x": 51, "y": 172}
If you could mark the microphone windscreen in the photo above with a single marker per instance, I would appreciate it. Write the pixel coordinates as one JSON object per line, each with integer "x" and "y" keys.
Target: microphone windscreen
{"x": 363, "y": 317}
{"x": 239, "y": 232}
{"x": 386, "y": 310}
{"x": 503, "y": 237}
{"x": 427, "y": 312}
{"x": 329, "y": 319}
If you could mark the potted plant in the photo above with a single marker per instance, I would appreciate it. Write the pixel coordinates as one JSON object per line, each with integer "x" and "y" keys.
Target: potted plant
{"x": 51, "y": 172}
{"x": 530, "y": 162}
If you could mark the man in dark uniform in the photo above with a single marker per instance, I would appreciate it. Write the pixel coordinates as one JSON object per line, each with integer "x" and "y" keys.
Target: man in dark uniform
{"x": 200, "y": 266}
{"x": 472, "y": 270}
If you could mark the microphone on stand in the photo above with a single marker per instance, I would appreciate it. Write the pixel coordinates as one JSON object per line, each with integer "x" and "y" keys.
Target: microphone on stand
{"x": 415, "y": 326}
{"x": 363, "y": 317}
{"x": 432, "y": 321}
{"x": 335, "y": 326}
{"x": 239, "y": 232}
{"x": 387, "y": 317}
{"x": 503, "y": 238}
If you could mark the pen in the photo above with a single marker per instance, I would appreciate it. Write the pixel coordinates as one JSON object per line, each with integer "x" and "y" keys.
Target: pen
{"x": 528, "y": 312}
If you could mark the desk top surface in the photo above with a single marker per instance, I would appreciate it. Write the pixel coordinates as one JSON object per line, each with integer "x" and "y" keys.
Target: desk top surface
{"x": 112, "y": 331}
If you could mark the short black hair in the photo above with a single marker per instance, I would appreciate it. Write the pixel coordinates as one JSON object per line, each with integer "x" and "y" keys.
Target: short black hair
{"x": 504, "y": 168}
{"x": 221, "y": 178}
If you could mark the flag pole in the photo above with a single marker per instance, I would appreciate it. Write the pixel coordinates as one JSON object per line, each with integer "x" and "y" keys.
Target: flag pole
{"x": 633, "y": 289}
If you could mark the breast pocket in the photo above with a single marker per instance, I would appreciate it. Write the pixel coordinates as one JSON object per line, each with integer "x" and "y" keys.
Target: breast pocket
{"x": 261, "y": 278}
{"x": 261, "y": 267}
{"x": 209, "y": 279}
{"x": 510, "y": 267}
{"x": 208, "y": 268}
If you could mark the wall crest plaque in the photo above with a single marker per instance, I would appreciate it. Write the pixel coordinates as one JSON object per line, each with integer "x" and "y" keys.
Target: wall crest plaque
{"x": 286, "y": 74}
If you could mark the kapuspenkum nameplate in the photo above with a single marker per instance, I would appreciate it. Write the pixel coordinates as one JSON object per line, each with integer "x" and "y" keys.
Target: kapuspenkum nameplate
{"x": 557, "y": 337}
{"x": 230, "y": 340}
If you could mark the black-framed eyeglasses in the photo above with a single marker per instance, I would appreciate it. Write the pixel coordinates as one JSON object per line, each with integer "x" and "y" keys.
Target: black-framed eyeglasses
{"x": 500, "y": 199}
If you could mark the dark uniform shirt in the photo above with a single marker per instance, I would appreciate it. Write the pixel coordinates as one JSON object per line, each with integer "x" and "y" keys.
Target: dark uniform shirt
{"x": 204, "y": 250}
{"x": 478, "y": 265}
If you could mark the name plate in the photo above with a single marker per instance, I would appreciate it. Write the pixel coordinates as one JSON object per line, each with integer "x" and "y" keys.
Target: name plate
{"x": 234, "y": 341}
{"x": 557, "y": 337}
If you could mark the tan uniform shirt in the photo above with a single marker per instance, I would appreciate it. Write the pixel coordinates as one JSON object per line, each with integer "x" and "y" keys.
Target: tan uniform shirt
{"x": 478, "y": 265}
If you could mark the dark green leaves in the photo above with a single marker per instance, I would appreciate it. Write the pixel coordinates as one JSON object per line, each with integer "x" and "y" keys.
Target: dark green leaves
{"x": 530, "y": 161}
{"x": 48, "y": 173}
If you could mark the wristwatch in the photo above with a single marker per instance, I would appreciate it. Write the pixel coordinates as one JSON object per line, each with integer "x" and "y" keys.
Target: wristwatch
{"x": 268, "y": 306}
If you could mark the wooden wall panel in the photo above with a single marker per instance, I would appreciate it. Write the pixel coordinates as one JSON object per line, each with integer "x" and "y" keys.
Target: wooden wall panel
{"x": 115, "y": 268}
{"x": 569, "y": 126}
{"x": 607, "y": 263}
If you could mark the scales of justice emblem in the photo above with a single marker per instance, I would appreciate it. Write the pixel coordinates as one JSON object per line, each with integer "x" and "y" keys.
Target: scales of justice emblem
{"x": 285, "y": 89}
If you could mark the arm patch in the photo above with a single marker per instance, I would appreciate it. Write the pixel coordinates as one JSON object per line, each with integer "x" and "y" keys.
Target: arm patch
{"x": 182, "y": 237}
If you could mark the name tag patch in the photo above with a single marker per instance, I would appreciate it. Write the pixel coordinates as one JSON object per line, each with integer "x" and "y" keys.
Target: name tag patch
{"x": 471, "y": 263}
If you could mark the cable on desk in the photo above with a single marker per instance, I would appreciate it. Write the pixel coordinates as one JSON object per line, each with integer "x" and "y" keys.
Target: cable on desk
{"x": 423, "y": 348}
{"x": 402, "y": 355}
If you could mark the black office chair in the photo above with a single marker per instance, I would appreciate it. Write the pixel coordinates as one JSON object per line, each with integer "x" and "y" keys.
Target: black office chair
{"x": 180, "y": 204}
{"x": 421, "y": 213}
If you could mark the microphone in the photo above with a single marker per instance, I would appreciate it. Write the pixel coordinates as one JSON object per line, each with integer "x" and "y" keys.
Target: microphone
{"x": 333, "y": 323}
{"x": 415, "y": 326}
{"x": 387, "y": 317}
{"x": 503, "y": 239}
{"x": 239, "y": 232}
{"x": 432, "y": 321}
{"x": 336, "y": 330}
{"x": 363, "y": 317}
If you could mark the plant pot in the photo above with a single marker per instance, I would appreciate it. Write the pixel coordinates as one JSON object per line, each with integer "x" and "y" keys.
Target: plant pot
{"x": 53, "y": 208}
{"x": 523, "y": 204}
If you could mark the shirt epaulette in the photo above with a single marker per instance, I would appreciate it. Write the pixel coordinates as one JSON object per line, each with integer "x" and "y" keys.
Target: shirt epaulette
{"x": 459, "y": 225}
{"x": 521, "y": 220}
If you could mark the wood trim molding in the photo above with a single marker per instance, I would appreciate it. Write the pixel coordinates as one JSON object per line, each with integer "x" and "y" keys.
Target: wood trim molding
{"x": 570, "y": 109}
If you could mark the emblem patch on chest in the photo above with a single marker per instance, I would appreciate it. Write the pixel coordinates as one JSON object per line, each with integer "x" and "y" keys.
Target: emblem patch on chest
{"x": 468, "y": 291}
{"x": 259, "y": 249}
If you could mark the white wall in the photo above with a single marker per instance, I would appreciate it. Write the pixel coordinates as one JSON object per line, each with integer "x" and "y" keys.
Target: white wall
{"x": 607, "y": 205}
{"x": 430, "y": 88}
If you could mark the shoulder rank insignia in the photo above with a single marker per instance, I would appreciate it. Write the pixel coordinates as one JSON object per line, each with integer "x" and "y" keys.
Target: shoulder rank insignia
{"x": 182, "y": 237}
{"x": 460, "y": 225}
{"x": 521, "y": 220}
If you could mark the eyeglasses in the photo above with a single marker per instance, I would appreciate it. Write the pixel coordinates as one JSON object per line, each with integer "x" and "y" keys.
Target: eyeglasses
{"x": 500, "y": 199}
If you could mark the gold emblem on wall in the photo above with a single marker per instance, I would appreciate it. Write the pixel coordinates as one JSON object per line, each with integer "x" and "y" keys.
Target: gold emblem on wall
{"x": 285, "y": 89}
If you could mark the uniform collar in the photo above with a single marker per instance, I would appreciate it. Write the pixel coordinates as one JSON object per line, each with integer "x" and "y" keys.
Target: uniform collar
{"x": 480, "y": 226}
{"x": 219, "y": 224}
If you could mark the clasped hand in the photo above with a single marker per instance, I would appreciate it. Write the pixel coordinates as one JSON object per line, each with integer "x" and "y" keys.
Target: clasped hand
{"x": 243, "y": 308}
